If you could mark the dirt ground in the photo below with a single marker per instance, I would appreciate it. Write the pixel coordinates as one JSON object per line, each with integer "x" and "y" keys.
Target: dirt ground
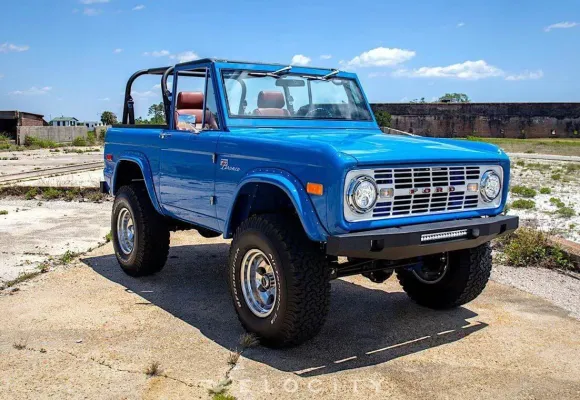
{"x": 89, "y": 331}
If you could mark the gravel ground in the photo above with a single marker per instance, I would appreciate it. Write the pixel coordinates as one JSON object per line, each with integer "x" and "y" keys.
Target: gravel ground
{"x": 561, "y": 289}
{"x": 537, "y": 174}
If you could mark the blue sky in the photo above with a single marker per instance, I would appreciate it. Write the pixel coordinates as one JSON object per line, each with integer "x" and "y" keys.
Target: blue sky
{"x": 73, "y": 57}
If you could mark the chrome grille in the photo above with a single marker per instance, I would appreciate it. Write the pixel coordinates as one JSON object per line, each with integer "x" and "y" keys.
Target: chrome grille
{"x": 418, "y": 180}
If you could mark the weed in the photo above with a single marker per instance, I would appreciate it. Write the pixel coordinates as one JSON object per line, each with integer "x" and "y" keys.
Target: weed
{"x": 557, "y": 202}
{"x": 153, "y": 369}
{"x": 221, "y": 387}
{"x": 67, "y": 257}
{"x": 572, "y": 226}
{"x": 233, "y": 357}
{"x": 22, "y": 277}
{"x": 79, "y": 141}
{"x": 31, "y": 194}
{"x": 545, "y": 190}
{"x": 34, "y": 142}
{"x": 91, "y": 138}
{"x": 523, "y": 191}
{"x": 223, "y": 396}
{"x": 109, "y": 237}
{"x": 20, "y": 345}
{"x": 51, "y": 193}
{"x": 43, "y": 268}
{"x": 556, "y": 177}
{"x": 565, "y": 212}
{"x": 42, "y": 350}
{"x": 571, "y": 168}
{"x": 530, "y": 247}
{"x": 521, "y": 163}
{"x": 3, "y": 212}
{"x": 522, "y": 204}
{"x": 249, "y": 340}
{"x": 97, "y": 197}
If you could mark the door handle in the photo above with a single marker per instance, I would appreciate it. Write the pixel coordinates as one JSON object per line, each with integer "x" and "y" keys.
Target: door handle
{"x": 165, "y": 135}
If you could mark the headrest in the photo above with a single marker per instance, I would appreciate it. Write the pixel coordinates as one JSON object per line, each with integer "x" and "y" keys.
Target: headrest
{"x": 190, "y": 100}
{"x": 271, "y": 99}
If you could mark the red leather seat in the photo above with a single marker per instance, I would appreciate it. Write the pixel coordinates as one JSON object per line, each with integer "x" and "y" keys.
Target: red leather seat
{"x": 271, "y": 104}
{"x": 191, "y": 103}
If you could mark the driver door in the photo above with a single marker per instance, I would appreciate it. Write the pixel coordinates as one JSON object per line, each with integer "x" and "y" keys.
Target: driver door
{"x": 188, "y": 147}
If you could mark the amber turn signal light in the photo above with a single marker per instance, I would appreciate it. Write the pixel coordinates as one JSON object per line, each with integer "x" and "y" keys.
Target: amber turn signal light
{"x": 314, "y": 188}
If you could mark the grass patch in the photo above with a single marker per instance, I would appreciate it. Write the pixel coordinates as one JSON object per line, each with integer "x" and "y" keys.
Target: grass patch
{"x": 566, "y": 147}
{"x": 565, "y": 212}
{"x": 34, "y": 142}
{"x": 545, "y": 190}
{"x": 523, "y": 204}
{"x": 108, "y": 237}
{"x": 556, "y": 177}
{"x": 153, "y": 369}
{"x": 529, "y": 247}
{"x": 22, "y": 277}
{"x": 521, "y": 163}
{"x": 68, "y": 256}
{"x": 223, "y": 396}
{"x": 249, "y": 340}
{"x": 3, "y": 212}
{"x": 80, "y": 141}
{"x": 53, "y": 193}
{"x": 523, "y": 191}
{"x": 557, "y": 202}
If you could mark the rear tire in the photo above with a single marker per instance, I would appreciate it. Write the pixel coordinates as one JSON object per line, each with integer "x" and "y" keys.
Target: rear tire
{"x": 465, "y": 278}
{"x": 289, "y": 299}
{"x": 140, "y": 234}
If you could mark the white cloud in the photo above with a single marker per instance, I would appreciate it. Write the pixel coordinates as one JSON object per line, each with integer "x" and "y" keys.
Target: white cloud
{"x": 381, "y": 57}
{"x": 33, "y": 91}
{"x": 300, "y": 59}
{"x": 8, "y": 47}
{"x": 160, "y": 53}
{"x": 326, "y": 56}
{"x": 461, "y": 24}
{"x": 91, "y": 12}
{"x": 93, "y": 1}
{"x": 117, "y": 51}
{"x": 158, "y": 86}
{"x": 147, "y": 93}
{"x": 561, "y": 25}
{"x": 105, "y": 99}
{"x": 526, "y": 75}
{"x": 138, "y": 7}
{"x": 184, "y": 56}
{"x": 470, "y": 70}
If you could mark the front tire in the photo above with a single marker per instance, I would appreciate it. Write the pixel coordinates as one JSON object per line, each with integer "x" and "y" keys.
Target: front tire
{"x": 140, "y": 234}
{"x": 279, "y": 280}
{"x": 459, "y": 281}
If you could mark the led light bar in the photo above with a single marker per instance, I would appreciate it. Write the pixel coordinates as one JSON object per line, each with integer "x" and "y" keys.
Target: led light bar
{"x": 432, "y": 237}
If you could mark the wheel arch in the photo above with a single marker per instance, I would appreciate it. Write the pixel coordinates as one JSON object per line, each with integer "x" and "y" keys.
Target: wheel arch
{"x": 132, "y": 168}
{"x": 270, "y": 190}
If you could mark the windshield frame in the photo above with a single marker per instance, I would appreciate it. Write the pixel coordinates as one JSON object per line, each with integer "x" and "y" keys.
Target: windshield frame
{"x": 234, "y": 120}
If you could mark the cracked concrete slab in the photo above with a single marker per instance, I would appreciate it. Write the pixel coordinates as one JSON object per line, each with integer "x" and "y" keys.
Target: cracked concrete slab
{"x": 32, "y": 231}
{"x": 99, "y": 330}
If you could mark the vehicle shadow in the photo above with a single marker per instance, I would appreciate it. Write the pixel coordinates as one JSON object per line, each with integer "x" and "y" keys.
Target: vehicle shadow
{"x": 364, "y": 326}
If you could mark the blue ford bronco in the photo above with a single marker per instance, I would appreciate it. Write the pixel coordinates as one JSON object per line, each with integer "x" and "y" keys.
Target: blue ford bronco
{"x": 289, "y": 162}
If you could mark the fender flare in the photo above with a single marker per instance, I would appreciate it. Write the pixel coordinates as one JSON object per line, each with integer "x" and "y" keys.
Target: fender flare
{"x": 143, "y": 163}
{"x": 295, "y": 192}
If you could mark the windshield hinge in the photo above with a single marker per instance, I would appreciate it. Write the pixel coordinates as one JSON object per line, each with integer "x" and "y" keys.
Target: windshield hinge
{"x": 213, "y": 157}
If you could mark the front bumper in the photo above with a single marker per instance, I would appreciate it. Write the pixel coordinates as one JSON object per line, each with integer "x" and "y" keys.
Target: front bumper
{"x": 421, "y": 239}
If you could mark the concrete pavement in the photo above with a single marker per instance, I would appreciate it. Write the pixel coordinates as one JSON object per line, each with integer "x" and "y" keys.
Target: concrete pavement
{"x": 89, "y": 331}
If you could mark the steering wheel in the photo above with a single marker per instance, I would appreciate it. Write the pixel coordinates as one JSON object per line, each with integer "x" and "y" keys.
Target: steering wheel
{"x": 316, "y": 110}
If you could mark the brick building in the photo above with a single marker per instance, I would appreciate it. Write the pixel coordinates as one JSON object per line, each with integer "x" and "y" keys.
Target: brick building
{"x": 11, "y": 120}
{"x": 510, "y": 120}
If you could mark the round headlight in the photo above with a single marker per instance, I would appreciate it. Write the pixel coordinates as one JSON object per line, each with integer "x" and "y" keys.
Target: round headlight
{"x": 362, "y": 194}
{"x": 490, "y": 186}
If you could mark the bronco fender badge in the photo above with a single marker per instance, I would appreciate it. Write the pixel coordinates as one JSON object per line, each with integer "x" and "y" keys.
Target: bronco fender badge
{"x": 224, "y": 163}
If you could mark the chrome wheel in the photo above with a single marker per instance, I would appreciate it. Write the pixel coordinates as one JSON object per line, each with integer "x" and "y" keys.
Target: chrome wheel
{"x": 432, "y": 270}
{"x": 125, "y": 231}
{"x": 258, "y": 281}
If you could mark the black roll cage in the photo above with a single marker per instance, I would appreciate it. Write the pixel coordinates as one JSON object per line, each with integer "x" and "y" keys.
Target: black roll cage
{"x": 164, "y": 72}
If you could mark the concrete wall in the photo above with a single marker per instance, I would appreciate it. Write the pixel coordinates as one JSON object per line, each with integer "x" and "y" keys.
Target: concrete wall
{"x": 58, "y": 134}
{"x": 513, "y": 120}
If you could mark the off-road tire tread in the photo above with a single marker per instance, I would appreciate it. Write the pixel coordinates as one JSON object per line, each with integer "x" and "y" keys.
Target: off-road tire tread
{"x": 307, "y": 275}
{"x": 473, "y": 269}
{"x": 152, "y": 251}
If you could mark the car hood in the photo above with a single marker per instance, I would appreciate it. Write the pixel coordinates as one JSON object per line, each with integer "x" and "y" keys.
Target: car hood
{"x": 376, "y": 147}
